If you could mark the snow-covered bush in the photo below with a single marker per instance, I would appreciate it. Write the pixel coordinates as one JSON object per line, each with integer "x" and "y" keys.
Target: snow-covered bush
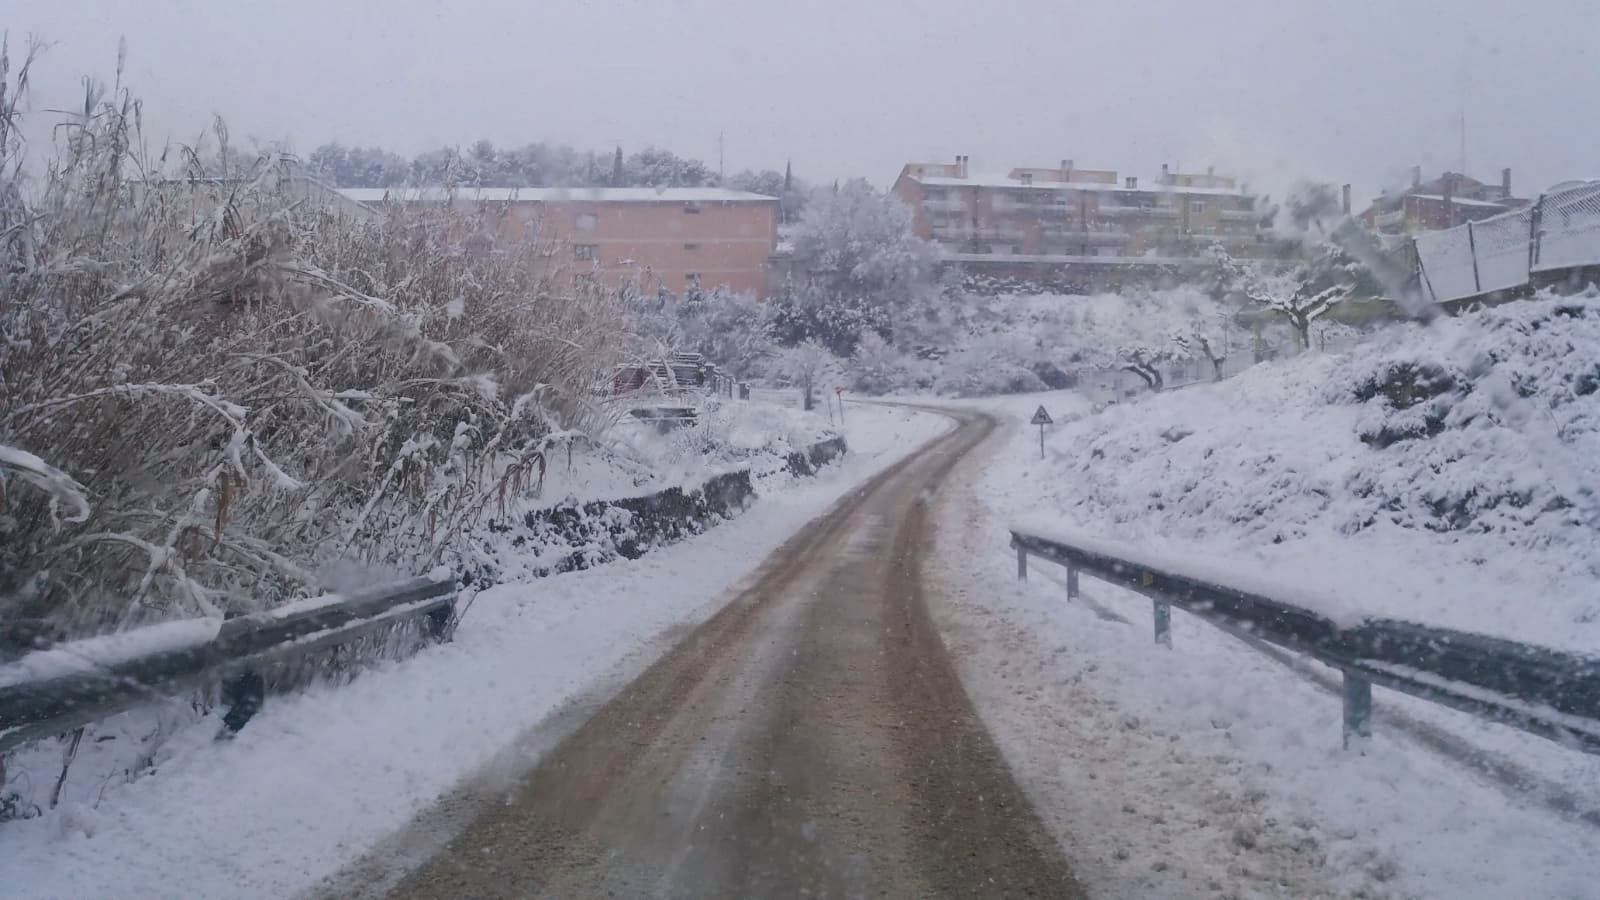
{"x": 243, "y": 387}
{"x": 878, "y": 367}
{"x": 996, "y": 364}
{"x": 732, "y": 330}
{"x": 1453, "y": 461}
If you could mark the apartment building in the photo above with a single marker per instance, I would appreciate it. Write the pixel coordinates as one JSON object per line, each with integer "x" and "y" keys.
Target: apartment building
{"x": 1066, "y": 215}
{"x": 647, "y": 239}
{"x": 1450, "y": 200}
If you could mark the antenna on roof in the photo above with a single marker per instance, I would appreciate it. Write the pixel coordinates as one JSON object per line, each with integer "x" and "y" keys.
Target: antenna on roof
{"x": 719, "y": 157}
{"x": 1465, "y": 74}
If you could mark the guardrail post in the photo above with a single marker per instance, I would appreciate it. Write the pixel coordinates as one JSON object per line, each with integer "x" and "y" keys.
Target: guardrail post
{"x": 1357, "y": 709}
{"x": 1022, "y": 564}
{"x": 438, "y": 620}
{"x": 1472, "y": 248}
{"x": 1072, "y": 583}
{"x": 244, "y": 696}
{"x": 1163, "y": 623}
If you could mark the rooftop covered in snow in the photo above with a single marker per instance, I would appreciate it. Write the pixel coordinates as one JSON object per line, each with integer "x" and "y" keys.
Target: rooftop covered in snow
{"x": 1005, "y": 181}
{"x": 558, "y": 195}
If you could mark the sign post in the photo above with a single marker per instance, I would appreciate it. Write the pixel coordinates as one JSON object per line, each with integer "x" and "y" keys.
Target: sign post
{"x": 838, "y": 392}
{"x": 1041, "y": 419}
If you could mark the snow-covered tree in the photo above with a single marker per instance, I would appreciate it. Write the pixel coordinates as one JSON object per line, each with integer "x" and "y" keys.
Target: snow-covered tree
{"x": 1316, "y": 276}
{"x": 863, "y": 265}
{"x": 807, "y": 365}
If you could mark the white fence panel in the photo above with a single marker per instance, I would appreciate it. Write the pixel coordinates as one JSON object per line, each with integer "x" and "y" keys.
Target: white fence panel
{"x": 1502, "y": 244}
{"x": 1446, "y": 258}
{"x": 1569, "y": 227}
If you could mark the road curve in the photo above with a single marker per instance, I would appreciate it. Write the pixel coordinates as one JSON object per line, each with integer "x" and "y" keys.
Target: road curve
{"x": 810, "y": 739}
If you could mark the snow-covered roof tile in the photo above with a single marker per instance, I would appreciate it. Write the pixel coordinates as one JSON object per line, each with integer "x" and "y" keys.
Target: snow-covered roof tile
{"x": 1004, "y": 181}
{"x": 1459, "y": 201}
{"x": 560, "y": 195}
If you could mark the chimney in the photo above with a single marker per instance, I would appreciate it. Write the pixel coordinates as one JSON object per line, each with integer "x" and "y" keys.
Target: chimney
{"x": 1164, "y": 177}
{"x": 1346, "y": 193}
{"x": 1131, "y": 182}
{"x": 1211, "y": 170}
{"x": 1505, "y": 181}
{"x": 961, "y": 167}
{"x": 1416, "y": 177}
{"x": 1027, "y": 178}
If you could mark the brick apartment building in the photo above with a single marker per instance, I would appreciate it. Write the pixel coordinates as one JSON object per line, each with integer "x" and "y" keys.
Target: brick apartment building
{"x": 673, "y": 239}
{"x": 1031, "y": 217}
{"x": 1447, "y": 201}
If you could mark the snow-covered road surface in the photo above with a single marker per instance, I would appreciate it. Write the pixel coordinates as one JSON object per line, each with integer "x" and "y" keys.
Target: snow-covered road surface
{"x": 811, "y": 739}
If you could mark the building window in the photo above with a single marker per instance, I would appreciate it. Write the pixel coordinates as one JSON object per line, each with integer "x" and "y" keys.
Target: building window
{"x": 692, "y": 279}
{"x": 691, "y": 246}
{"x": 691, "y": 207}
{"x": 1197, "y": 207}
{"x": 583, "y": 280}
{"x": 586, "y": 252}
{"x": 587, "y": 221}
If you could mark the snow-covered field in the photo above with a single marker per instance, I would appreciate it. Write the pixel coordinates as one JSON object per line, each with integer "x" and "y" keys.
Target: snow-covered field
{"x": 319, "y": 777}
{"x": 1214, "y": 770}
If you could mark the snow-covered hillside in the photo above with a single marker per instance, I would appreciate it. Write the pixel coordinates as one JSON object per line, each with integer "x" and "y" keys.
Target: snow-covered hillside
{"x": 1443, "y": 473}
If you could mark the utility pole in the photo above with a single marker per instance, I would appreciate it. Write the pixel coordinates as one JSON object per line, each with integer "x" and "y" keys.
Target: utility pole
{"x": 719, "y": 158}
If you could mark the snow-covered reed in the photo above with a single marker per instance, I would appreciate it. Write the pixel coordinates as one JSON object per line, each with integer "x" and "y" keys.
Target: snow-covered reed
{"x": 212, "y": 387}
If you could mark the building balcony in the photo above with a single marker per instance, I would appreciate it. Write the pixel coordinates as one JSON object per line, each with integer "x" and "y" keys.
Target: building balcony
{"x": 1394, "y": 219}
{"x": 944, "y": 205}
{"x": 1239, "y": 215}
{"x": 1084, "y": 235}
{"x": 948, "y": 232}
{"x": 1117, "y": 209}
{"x": 991, "y": 233}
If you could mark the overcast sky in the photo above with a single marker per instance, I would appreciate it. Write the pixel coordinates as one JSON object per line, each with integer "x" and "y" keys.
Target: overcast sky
{"x": 1355, "y": 90}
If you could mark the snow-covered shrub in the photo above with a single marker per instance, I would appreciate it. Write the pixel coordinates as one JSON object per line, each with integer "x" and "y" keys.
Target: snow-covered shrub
{"x": 734, "y": 331}
{"x": 1466, "y": 411}
{"x": 878, "y": 367}
{"x": 243, "y": 386}
{"x": 1452, "y": 464}
{"x": 998, "y": 364}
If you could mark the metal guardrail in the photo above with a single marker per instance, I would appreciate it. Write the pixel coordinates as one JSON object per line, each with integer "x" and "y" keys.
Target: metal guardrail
{"x": 1550, "y": 693}
{"x": 237, "y": 657}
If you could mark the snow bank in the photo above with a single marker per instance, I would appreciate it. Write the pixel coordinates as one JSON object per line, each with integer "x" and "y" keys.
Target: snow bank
{"x": 650, "y": 486}
{"x": 1443, "y": 474}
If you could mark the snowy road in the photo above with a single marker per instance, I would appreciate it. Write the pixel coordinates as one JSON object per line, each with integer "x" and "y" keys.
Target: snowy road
{"x": 811, "y": 735}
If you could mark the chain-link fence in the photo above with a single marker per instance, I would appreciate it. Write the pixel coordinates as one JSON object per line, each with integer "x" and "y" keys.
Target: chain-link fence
{"x": 1559, "y": 231}
{"x": 1569, "y": 229}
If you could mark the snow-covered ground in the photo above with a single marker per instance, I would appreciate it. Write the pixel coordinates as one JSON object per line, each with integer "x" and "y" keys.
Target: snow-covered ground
{"x": 1211, "y": 769}
{"x": 319, "y": 777}
{"x": 1444, "y": 474}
